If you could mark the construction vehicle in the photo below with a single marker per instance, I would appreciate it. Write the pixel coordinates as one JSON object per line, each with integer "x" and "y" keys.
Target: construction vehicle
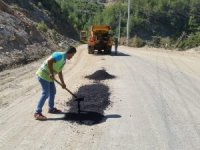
{"x": 100, "y": 39}
{"x": 83, "y": 36}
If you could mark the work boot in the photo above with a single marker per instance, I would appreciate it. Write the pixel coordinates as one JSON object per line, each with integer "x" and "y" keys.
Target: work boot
{"x": 39, "y": 116}
{"x": 54, "y": 111}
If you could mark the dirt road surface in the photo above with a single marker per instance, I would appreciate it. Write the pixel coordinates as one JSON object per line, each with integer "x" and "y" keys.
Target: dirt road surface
{"x": 154, "y": 103}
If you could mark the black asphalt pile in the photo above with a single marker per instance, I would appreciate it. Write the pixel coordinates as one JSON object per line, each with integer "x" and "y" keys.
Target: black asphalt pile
{"x": 96, "y": 100}
{"x": 100, "y": 75}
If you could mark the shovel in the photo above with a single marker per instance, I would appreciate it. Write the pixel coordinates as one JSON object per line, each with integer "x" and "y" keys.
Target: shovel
{"x": 78, "y": 99}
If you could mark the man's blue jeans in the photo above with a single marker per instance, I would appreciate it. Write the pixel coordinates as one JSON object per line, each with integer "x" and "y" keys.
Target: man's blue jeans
{"x": 48, "y": 91}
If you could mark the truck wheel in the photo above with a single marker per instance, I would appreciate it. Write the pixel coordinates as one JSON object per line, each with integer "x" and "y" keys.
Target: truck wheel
{"x": 90, "y": 50}
{"x": 108, "y": 50}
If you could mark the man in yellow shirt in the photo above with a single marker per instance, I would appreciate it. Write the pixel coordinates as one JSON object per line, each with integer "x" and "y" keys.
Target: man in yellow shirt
{"x": 53, "y": 65}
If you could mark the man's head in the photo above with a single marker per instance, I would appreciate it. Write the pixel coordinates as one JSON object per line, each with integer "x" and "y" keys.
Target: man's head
{"x": 70, "y": 52}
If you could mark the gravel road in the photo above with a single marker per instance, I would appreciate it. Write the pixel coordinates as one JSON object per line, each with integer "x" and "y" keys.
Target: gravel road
{"x": 150, "y": 101}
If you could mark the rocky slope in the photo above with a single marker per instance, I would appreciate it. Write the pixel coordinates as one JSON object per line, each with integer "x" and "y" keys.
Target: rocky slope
{"x": 20, "y": 39}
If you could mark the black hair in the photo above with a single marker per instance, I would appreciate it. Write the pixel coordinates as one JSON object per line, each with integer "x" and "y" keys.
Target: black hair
{"x": 71, "y": 50}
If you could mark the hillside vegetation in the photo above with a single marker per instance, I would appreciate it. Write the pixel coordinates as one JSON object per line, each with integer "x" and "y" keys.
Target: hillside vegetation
{"x": 172, "y": 23}
{"x": 159, "y": 23}
{"x": 165, "y": 23}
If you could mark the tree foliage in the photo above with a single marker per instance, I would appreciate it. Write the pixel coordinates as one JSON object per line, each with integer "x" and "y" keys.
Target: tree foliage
{"x": 163, "y": 18}
{"x": 79, "y": 12}
{"x": 148, "y": 18}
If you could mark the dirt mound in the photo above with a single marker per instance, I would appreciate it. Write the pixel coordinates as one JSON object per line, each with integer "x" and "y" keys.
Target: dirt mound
{"x": 96, "y": 100}
{"x": 100, "y": 75}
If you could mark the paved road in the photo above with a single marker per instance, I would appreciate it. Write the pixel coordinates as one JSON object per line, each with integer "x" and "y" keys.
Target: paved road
{"x": 155, "y": 104}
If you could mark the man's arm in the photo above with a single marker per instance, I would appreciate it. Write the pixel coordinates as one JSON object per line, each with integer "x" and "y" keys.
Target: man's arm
{"x": 60, "y": 75}
{"x": 50, "y": 66}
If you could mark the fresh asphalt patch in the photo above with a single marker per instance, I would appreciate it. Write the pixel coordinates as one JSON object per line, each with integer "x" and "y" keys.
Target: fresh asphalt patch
{"x": 100, "y": 75}
{"x": 96, "y": 100}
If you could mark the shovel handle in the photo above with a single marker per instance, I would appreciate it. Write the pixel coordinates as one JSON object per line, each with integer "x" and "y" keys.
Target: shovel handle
{"x": 66, "y": 88}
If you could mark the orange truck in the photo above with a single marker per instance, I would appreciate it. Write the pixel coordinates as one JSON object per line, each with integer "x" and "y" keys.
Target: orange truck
{"x": 99, "y": 39}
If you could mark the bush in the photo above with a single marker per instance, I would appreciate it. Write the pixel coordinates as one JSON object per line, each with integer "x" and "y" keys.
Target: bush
{"x": 54, "y": 35}
{"x": 122, "y": 41}
{"x": 136, "y": 42}
{"x": 42, "y": 27}
{"x": 39, "y": 4}
{"x": 193, "y": 40}
{"x": 165, "y": 42}
{"x": 156, "y": 41}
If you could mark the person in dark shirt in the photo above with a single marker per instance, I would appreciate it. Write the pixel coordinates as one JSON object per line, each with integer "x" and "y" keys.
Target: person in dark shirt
{"x": 116, "y": 45}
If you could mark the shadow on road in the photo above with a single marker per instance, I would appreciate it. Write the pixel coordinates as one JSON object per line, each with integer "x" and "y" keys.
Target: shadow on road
{"x": 119, "y": 54}
{"x": 112, "y": 54}
{"x": 85, "y": 117}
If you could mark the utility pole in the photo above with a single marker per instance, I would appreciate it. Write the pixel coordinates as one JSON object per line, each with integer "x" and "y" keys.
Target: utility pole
{"x": 119, "y": 26}
{"x": 128, "y": 20}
